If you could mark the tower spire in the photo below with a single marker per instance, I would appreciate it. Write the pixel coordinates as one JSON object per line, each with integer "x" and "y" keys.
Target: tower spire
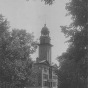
{"x": 45, "y": 45}
{"x": 45, "y": 20}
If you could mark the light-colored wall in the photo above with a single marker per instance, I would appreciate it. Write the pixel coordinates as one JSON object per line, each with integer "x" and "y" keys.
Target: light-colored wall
{"x": 45, "y": 53}
{"x": 42, "y": 72}
{"x": 53, "y": 74}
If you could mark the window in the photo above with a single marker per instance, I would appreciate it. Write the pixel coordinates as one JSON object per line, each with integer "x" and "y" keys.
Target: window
{"x": 45, "y": 83}
{"x": 54, "y": 84}
{"x": 45, "y": 76}
{"x": 55, "y": 77}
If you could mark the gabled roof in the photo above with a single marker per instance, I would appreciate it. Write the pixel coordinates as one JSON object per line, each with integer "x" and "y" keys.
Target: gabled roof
{"x": 44, "y": 62}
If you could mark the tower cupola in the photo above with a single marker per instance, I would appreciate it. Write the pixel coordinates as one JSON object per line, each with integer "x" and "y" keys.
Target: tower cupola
{"x": 45, "y": 45}
{"x": 45, "y": 31}
{"x": 44, "y": 38}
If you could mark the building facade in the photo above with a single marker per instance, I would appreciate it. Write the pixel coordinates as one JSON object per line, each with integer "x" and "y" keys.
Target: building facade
{"x": 45, "y": 73}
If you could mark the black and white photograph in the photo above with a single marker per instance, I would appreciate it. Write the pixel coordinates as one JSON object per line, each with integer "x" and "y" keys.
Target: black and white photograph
{"x": 43, "y": 44}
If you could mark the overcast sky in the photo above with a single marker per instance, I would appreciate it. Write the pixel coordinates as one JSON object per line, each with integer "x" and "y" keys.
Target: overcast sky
{"x": 32, "y": 15}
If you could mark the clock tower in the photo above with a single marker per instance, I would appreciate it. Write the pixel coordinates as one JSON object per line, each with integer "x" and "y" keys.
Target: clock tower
{"x": 45, "y": 45}
{"x": 44, "y": 72}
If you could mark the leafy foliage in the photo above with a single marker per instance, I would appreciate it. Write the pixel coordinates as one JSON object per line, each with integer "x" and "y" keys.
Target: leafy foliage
{"x": 50, "y": 2}
{"x": 74, "y": 62}
{"x": 15, "y": 49}
{"x": 77, "y": 30}
{"x": 78, "y": 10}
{"x": 22, "y": 44}
{"x": 47, "y": 2}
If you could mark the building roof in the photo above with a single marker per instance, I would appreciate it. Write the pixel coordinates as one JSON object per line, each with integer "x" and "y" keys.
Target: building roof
{"x": 43, "y": 62}
{"x": 45, "y": 30}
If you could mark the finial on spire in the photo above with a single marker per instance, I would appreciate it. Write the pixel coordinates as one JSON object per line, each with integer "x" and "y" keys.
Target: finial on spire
{"x": 45, "y": 30}
{"x": 45, "y": 20}
{"x": 45, "y": 24}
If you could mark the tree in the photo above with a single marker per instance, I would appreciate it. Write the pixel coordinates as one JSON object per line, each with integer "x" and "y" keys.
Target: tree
{"x": 69, "y": 74}
{"x": 77, "y": 30}
{"x": 77, "y": 52}
{"x": 22, "y": 44}
{"x": 49, "y": 2}
{"x": 78, "y": 10}
{"x": 4, "y": 25}
{"x": 15, "y": 49}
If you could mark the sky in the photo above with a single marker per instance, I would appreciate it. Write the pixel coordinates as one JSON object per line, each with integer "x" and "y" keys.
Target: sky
{"x": 33, "y": 14}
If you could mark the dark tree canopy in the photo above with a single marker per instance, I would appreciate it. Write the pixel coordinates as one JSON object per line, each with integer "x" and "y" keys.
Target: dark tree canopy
{"x": 15, "y": 49}
{"x": 77, "y": 30}
{"x": 78, "y": 9}
{"x": 74, "y": 62}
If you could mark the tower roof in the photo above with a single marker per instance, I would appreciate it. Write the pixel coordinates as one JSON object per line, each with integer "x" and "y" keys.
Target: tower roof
{"x": 45, "y": 30}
